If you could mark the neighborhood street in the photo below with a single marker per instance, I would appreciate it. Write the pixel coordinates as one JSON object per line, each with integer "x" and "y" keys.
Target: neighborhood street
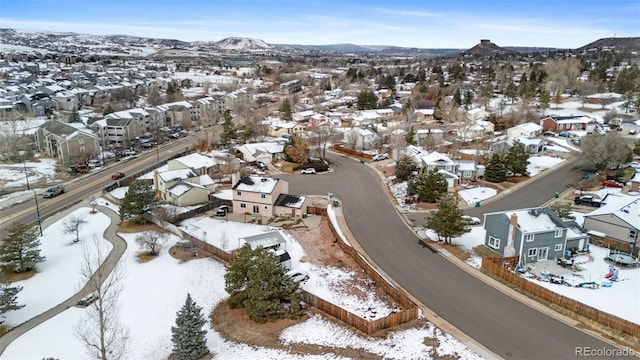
{"x": 502, "y": 324}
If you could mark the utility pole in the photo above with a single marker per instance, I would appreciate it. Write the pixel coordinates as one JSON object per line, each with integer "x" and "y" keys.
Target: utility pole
{"x": 26, "y": 174}
{"x": 38, "y": 218}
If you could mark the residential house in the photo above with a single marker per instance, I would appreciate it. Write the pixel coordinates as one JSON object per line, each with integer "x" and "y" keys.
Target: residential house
{"x": 535, "y": 234}
{"x": 263, "y": 196}
{"x": 476, "y": 114}
{"x": 200, "y": 164}
{"x": 618, "y": 219}
{"x": 190, "y": 191}
{"x": 476, "y": 129}
{"x": 429, "y": 137}
{"x": 285, "y": 129}
{"x": 267, "y": 152}
{"x": 65, "y": 142}
{"x": 528, "y": 129}
{"x": 360, "y": 138}
{"x": 635, "y": 181}
{"x": 501, "y": 145}
{"x": 119, "y": 132}
{"x": 290, "y": 87}
{"x": 424, "y": 114}
{"x": 180, "y": 113}
{"x": 567, "y": 123}
{"x": 275, "y": 241}
{"x": 65, "y": 101}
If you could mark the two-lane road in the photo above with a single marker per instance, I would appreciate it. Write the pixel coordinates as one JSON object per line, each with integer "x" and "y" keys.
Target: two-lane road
{"x": 505, "y": 326}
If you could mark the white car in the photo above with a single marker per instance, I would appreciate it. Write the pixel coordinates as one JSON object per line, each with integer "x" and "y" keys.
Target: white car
{"x": 471, "y": 220}
{"x": 308, "y": 171}
{"x": 298, "y": 275}
{"x": 378, "y": 157}
{"x": 635, "y": 164}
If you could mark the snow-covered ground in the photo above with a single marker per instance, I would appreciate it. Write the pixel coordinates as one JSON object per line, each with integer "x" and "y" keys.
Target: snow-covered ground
{"x": 471, "y": 196}
{"x": 537, "y": 164}
{"x": 149, "y": 319}
{"x": 14, "y": 174}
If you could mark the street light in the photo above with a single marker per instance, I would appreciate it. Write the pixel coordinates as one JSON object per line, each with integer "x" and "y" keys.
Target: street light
{"x": 38, "y": 218}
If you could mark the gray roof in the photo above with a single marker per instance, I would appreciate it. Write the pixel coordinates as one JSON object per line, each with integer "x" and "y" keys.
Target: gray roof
{"x": 59, "y": 128}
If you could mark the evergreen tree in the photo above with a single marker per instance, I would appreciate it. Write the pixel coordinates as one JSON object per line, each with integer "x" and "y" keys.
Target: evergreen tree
{"x": 75, "y": 116}
{"x": 139, "y": 198}
{"x": 511, "y": 91}
{"x": 636, "y": 147}
{"x": 367, "y": 100}
{"x": 517, "y": 159}
{"x": 256, "y": 281}
{"x": 545, "y": 98}
{"x": 9, "y": 298}
{"x": 228, "y": 129}
{"x": 410, "y": 136}
{"x": 19, "y": 251}
{"x": 563, "y": 210}
{"x": 457, "y": 97}
{"x": 430, "y": 185}
{"x": 496, "y": 170}
{"x": 108, "y": 110}
{"x": 447, "y": 220}
{"x": 468, "y": 99}
{"x": 285, "y": 110}
{"x": 404, "y": 167}
{"x": 188, "y": 337}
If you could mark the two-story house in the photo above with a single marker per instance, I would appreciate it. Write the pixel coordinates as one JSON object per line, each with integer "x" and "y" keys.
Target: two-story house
{"x": 266, "y": 152}
{"x": 618, "y": 219}
{"x": 264, "y": 196}
{"x": 535, "y": 234}
{"x": 65, "y": 142}
{"x": 285, "y": 129}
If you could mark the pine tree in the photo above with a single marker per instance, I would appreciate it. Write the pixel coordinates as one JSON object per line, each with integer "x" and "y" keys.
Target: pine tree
{"x": 139, "y": 198}
{"x": 496, "y": 171}
{"x": 285, "y": 109}
{"x": 447, "y": 220}
{"x": 430, "y": 185}
{"x": 9, "y": 298}
{"x": 20, "y": 250}
{"x": 410, "y": 136}
{"x": 256, "y": 280}
{"x": 188, "y": 337}
{"x": 367, "y": 100}
{"x": 404, "y": 167}
{"x": 517, "y": 159}
{"x": 228, "y": 128}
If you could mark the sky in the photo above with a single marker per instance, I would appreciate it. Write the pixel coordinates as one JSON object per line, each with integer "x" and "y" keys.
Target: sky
{"x": 407, "y": 23}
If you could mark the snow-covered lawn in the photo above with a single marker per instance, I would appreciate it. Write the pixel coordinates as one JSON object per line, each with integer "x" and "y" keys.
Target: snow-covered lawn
{"x": 538, "y": 164}
{"x": 471, "y": 196}
{"x": 14, "y": 174}
{"x": 155, "y": 290}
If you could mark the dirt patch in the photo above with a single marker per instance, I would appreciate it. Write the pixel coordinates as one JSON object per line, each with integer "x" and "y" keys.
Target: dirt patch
{"x": 180, "y": 253}
{"x": 322, "y": 247}
{"x": 131, "y": 227}
{"x": 235, "y": 325}
{"x": 144, "y": 257}
{"x": 10, "y": 276}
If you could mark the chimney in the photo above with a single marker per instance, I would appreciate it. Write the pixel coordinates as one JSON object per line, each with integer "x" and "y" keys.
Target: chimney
{"x": 510, "y": 250}
{"x": 485, "y": 42}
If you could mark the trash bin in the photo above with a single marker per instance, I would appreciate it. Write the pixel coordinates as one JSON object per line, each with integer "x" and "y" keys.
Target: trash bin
{"x": 556, "y": 195}
{"x": 336, "y": 203}
{"x": 304, "y": 215}
{"x": 477, "y": 203}
{"x": 361, "y": 161}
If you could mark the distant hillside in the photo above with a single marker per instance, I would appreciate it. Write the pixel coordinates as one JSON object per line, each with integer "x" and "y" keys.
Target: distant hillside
{"x": 629, "y": 44}
{"x": 487, "y": 48}
{"x": 241, "y": 43}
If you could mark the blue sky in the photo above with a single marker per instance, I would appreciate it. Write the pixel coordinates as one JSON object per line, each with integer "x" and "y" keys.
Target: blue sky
{"x": 417, "y": 23}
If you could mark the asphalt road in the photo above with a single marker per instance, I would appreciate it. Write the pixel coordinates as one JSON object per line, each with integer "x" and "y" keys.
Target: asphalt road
{"x": 503, "y": 325}
{"x": 85, "y": 186}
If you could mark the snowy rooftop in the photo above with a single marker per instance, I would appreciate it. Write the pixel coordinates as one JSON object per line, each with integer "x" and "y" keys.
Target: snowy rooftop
{"x": 180, "y": 189}
{"x": 266, "y": 147}
{"x": 196, "y": 161}
{"x": 173, "y": 175}
{"x": 436, "y": 157}
{"x": 529, "y": 222}
{"x": 256, "y": 184}
{"x": 528, "y": 126}
{"x": 623, "y": 206}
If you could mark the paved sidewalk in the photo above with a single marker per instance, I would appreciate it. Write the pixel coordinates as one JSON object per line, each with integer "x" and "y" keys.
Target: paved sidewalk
{"x": 118, "y": 249}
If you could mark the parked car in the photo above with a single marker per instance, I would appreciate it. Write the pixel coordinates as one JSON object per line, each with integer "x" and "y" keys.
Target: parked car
{"x": 587, "y": 200}
{"x": 549, "y": 133}
{"x": 128, "y": 152}
{"x": 308, "y": 171}
{"x": 93, "y": 163}
{"x": 471, "y": 220}
{"x": 612, "y": 183}
{"x": 564, "y": 134}
{"x": 148, "y": 144}
{"x": 262, "y": 166}
{"x": 378, "y": 157}
{"x": 632, "y": 131}
{"x": 222, "y": 211}
{"x": 53, "y": 191}
{"x": 576, "y": 142}
{"x": 298, "y": 275}
{"x": 116, "y": 176}
{"x": 635, "y": 164}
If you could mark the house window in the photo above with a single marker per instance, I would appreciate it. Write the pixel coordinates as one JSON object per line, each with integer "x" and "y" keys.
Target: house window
{"x": 558, "y": 233}
{"x": 494, "y": 242}
{"x": 266, "y": 207}
{"x": 243, "y": 206}
{"x": 558, "y": 247}
{"x": 81, "y": 141}
{"x": 82, "y": 149}
{"x": 239, "y": 193}
{"x": 528, "y": 237}
{"x": 533, "y": 252}
{"x": 263, "y": 196}
{"x": 633, "y": 234}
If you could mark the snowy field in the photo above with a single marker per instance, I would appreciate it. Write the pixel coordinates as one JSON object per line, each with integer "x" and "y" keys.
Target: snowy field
{"x": 471, "y": 196}
{"x": 537, "y": 164}
{"x": 14, "y": 175}
{"x": 149, "y": 320}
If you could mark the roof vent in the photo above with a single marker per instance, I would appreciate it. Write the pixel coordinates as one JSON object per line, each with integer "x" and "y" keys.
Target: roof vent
{"x": 264, "y": 179}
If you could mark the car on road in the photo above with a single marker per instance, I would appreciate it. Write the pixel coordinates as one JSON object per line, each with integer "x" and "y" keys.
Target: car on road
{"x": 149, "y": 144}
{"x": 612, "y": 183}
{"x": 53, "y": 191}
{"x": 298, "y": 275}
{"x": 118, "y": 175}
{"x": 309, "y": 171}
{"x": 378, "y": 157}
{"x": 470, "y": 220}
{"x": 127, "y": 152}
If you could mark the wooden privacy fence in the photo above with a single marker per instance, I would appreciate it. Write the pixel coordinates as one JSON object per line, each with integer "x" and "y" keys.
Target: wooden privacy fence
{"x": 364, "y": 325}
{"x": 353, "y": 152}
{"x": 496, "y": 267}
{"x": 316, "y": 210}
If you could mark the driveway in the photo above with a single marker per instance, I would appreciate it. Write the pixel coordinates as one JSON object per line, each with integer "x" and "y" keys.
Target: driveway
{"x": 503, "y": 325}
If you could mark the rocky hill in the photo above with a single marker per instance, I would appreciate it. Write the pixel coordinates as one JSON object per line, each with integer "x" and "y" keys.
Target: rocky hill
{"x": 240, "y": 43}
{"x": 486, "y": 48}
{"x": 629, "y": 44}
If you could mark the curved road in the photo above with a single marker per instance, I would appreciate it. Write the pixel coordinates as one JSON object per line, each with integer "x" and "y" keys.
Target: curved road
{"x": 502, "y": 324}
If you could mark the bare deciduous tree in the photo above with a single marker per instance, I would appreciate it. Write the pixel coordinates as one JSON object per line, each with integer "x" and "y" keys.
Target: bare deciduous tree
{"x": 166, "y": 213}
{"x": 100, "y": 330}
{"x": 151, "y": 241}
{"x": 320, "y": 136}
{"x": 73, "y": 225}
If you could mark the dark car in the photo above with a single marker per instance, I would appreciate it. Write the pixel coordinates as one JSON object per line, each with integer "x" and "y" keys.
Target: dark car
{"x": 116, "y": 176}
{"x": 222, "y": 211}
{"x": 149, "y": 145}
{"x": 262, "y": 166}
